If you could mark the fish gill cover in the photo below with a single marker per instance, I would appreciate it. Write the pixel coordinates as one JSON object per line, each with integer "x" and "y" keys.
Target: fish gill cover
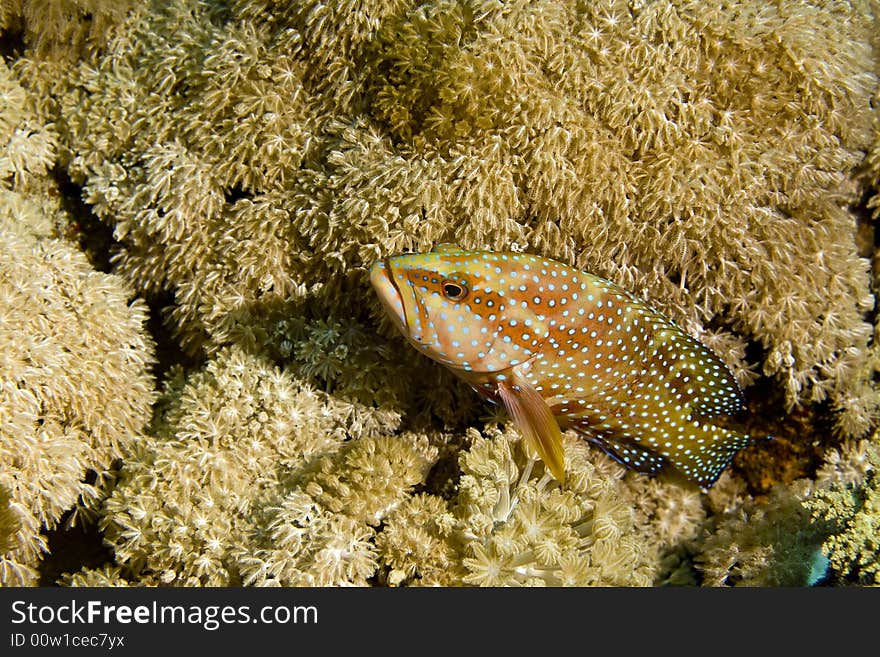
{"x": 239, "y": 165}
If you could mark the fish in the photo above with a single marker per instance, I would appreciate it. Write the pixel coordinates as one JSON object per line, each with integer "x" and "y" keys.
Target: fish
{"x": 561, "y": 349}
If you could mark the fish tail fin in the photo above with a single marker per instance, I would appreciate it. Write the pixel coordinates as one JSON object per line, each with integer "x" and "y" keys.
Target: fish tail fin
{"x": 535, "y": 420}
{"x": 704, "y": 461}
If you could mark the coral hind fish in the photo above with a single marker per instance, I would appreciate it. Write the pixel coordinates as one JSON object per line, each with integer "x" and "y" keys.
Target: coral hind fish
{"x": 561, "y": 348}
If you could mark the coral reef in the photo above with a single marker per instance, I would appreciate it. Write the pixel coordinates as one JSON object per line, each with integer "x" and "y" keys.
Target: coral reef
{"x": 104, "y": 576}
{"x": 75, "y": 385}
{"x": 253, "y": 157}
{"x": 8, "y": 522}
{"x": 62, "y": 29}
{"x": 262, "y": 479}
{"x": 851, "y": 506}
{"x": 510, "y": 527}
{"x": 668, "y": 146}
{"x": 808, "y": 531}
{"x": 768, "y": 544}
{"x": 28, "y": 144}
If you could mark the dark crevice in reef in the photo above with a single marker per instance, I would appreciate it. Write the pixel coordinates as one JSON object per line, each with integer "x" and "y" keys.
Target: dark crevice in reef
{"x": 234, "y": 194}
{"x": 12, "y": 44}
{"x": 168, "y": 350}
{"x": 785, "y": 446}
{"x": 73, "y": 548}
{"x": 868, "y": 244}
{"x": 867, "y": 230}
{"x": 442, "y": 479}
{"x": 94, "y": 237}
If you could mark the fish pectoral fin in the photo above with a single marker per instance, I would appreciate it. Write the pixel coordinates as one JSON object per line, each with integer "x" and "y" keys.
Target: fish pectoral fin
{"x": 535, "y": 420}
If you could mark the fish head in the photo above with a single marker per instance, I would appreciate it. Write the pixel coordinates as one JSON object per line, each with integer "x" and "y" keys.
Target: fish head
{"x": 457, "y": 307}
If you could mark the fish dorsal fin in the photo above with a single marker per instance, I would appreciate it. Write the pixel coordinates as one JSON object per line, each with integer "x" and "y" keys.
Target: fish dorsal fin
{"x": 628, "y": 453}
{"x": 448, "y": 247}
{"x": 535, "y": 420}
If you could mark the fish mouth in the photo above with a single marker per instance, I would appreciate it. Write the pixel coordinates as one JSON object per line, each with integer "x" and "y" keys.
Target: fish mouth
{"x": 382, "y": 279}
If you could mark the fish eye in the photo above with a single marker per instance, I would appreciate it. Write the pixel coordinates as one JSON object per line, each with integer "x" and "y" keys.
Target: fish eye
{"x": 454, "y": 291}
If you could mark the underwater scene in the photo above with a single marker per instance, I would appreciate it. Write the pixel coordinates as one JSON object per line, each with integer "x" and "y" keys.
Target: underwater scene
{"x": 442, "y": 293}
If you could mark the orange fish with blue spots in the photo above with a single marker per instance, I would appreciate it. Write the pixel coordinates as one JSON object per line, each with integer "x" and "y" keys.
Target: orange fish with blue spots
{"x": 561, "y": 348}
